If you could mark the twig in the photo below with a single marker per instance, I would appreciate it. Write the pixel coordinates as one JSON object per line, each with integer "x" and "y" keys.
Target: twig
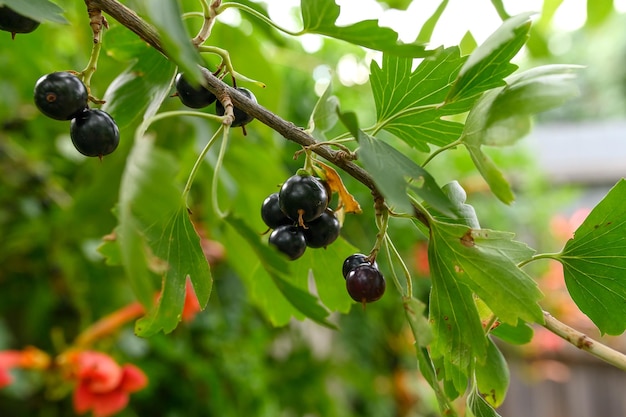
{"x": 584, "y": 342}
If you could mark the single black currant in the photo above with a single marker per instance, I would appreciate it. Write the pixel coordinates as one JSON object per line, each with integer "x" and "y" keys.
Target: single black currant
{"x": 196, "y": 98}
{"x": 60, "y": 95}
{"x": 94, "y": 133}
{"x": 355, "y": 260}
{"x": 303, "y": 198}
{"x": 241, "y": 118}
{"x": 365, "y": 283}
{"x": 289, "y": 240}
{"x": 271, "y": 213}
{"x": 322, "y": 231}
{"x": 14, "y": 22}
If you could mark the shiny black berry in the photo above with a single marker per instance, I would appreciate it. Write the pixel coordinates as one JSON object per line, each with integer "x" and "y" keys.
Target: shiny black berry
{"x": 14, "y": 22}
{"x": 94, "y": 133}
{"x": 353, "y": 261}
{"x": 241, "y": 118}
{"x": 196, "y": 98}
{"x": 322, "y": 231}
{"x": 271, "y": 213}
{"x": 289, "y": 240}
{"x": 60, "y": 95}
{"x": 365, "y": 283}
{"x": 303, "y": 198}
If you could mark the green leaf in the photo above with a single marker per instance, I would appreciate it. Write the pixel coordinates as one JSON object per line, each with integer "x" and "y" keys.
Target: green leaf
{"x": 499, "y": 6}
{"x": 324, "y": 116}
{"x": 493, "y": 176}
{"x": 279, "y": 270}
{"x": 464, "y": 262}
{"x": 498, "y": 184}
{"x": 110, "y": 250}
{"x": 490, "y": 63}
{"x": 520, "y": 334}
{"x": 492, "y": 376}
{"x": 136, "y": 257}
{"x": 503, "y": 116}
{"x": 548, "y": 10}
{"x": 165, "y": 15}
{"x": 415, "y": 312}
{"x": 477, "y": 406}
{"x": 140, "y": 89}
{"x": 594, "y": 263}
{"x": 457, "y": 328}
{"x": 398, "y": 4}
{"x": 156, "y": 236}
{"x": 259, "y": 285}
{"x": 426, "y": 32}
{"x": 319, "y": 16}
{"x": 531, "y": 92}
{"x": 598, "y": 11}
{"x": 468, "y": 43}
{"x": 486, "y": 261}
{"x": 178, "y": 244}
{"x": 123, "y": 45}
{"x": 325, "y": 267}
{"x": 39, "y": 10}
{"x": 391, "y": 169}
{"x": 420, "y": 327}
{"x": 409, "y": 103}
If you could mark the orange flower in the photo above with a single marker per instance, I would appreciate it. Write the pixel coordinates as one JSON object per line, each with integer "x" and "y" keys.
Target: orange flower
{"x": 29, "y": 358}
{"x": 103, "y": 386}
{"x": 563, "y": 228}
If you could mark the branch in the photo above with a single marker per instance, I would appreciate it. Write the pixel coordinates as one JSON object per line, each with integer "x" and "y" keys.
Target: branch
{"x": 584, "y": 342}
{"x": 288, "y": 130}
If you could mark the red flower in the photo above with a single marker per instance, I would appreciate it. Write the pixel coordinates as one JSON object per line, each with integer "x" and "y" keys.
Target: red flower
{"x": 8, "y": 359}
{"x": 29, "y": 358}
{"x": 192, "y": 305}
{"x": 420, "y": 256}
{"x": 103, "y": 385}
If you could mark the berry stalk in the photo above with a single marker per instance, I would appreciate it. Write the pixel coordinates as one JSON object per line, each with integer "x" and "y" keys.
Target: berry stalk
{"x": 97, "y": 23}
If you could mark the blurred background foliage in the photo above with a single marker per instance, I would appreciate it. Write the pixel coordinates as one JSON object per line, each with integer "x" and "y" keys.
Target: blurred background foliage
{"x": 55, "y": 207}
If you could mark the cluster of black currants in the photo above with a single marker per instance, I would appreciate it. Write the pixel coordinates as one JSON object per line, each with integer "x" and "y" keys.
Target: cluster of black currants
{"x": 63, "y": 96}
{"x": 13, "y": 22}
{"x": 300, "y": 216}
{"x": 364, "y": 281}
{"x": 200, "y": 97}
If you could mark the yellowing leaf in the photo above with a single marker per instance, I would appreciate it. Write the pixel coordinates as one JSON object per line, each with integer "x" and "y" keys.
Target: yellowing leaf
{"x": 332, "y": 178}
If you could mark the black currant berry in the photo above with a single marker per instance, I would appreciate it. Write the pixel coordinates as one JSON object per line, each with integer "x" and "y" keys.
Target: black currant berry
{"x": 196, "y": 98}
{"x": 241, "y": 118}
{"x": 303, "y": 198}
{"x": 289, "y": 240}
{"x": 94, "y": 133}
{"x": 322, "y": 231}
{"x": 272, "y": 214}
{"x": 365, "y": 283}
{"x": 14, "y": 22}
{"x": 60, "y": 95}
{"x": 355, "y": 260}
